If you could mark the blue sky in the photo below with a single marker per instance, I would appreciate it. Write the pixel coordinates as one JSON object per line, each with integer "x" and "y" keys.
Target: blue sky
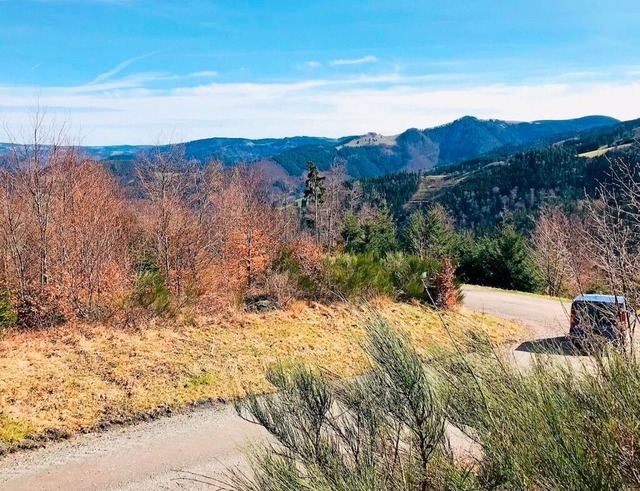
{"x": 139, "y": 71}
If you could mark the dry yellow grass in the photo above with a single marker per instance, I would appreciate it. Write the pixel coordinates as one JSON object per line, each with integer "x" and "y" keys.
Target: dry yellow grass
{"x": 73, "y": 379}
{"x": 602, "y": 150}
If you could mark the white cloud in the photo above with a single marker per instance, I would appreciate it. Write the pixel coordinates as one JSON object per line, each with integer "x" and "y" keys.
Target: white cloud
{"x": 202, "y": 74}
{"x": 313, "y": 64}
{"x": 354, "y": 61}
{"x": 124, "y": 111}
{"x": 118, "y": 68}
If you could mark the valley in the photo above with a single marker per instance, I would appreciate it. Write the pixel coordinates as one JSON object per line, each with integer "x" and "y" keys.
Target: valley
{"x": 320, "y": 246}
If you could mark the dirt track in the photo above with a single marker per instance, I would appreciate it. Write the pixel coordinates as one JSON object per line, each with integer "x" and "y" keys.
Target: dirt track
{"x": 177, "y": 452}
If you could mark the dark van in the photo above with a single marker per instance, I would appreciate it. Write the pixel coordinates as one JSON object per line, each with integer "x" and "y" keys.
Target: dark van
{"x": 604, "y": 316}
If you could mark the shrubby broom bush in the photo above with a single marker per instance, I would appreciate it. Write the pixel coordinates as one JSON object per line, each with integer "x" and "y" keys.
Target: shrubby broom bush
{"x": 8, "y": 315}
{"x": 553, "y": 426}
{"x": 358, "y": 275}
{"x": 380, "y": 431}
{"x": 399, "y": 275}
{"x": 150, "y": 293}
{"x": 548, "y": 427}
{"x": 411, "y": 275}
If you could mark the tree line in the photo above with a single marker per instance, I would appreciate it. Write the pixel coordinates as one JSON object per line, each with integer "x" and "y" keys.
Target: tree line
{"x": 75, "y": 245}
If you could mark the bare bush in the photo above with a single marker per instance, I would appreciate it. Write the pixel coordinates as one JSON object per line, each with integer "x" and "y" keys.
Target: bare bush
{"x": 561, "y": 253}
{"x": 62, "y": 233}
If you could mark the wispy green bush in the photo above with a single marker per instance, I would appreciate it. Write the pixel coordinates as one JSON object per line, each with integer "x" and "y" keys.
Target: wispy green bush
{"x": 150, "y": 292}
{"x": 381, "y": 431}
{"x": 411, "y": 275}
{"x": 548, "y": 427}
{"x": 357, "y": 275}
{"x": 306, "y": 282}
{"x": 399, "y": 275}
{"x": 553, "y": 426}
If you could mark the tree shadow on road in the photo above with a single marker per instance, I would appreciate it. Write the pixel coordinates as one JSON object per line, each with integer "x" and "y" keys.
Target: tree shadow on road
{"x": 560, "y": 345}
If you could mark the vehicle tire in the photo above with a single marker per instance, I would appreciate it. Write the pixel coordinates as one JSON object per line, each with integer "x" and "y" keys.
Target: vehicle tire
{"x": 575, "y": 340}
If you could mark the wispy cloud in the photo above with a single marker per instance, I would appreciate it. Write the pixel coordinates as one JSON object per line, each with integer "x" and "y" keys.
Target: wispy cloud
{"x": 139, "y": 80}
{"x": 129, "y": 111}
{"x": 354, "y": 61}
{"x": 313, "y": 64}
{"x": 119, "y": 67}
{"x": 202, "y": 74}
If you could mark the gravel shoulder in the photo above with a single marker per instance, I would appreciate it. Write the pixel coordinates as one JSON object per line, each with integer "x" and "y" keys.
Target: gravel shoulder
{"x": 169, "y": 453}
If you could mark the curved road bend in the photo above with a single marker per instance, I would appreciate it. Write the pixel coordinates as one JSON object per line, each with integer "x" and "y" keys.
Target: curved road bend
{"x": 178, "y": 452}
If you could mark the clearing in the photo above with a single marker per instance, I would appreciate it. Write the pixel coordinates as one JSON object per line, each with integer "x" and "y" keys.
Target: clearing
{"x": 602, "y": 150}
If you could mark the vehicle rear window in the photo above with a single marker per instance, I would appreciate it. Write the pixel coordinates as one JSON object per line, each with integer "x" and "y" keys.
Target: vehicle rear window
{"x": 596, "y": 313}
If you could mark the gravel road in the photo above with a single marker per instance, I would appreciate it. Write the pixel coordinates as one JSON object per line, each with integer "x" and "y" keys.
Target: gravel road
{"x": 168, "y": 453}
{"x": 178, "y": 452}
{"x": 543, "y": 317}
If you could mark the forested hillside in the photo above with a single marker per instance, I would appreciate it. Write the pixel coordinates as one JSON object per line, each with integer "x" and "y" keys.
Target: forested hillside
{"x": 520, "y": 185}
{"x": 483, "y": 192}
{"x": 393, "y": 190}
{"x": 414, "y": 150}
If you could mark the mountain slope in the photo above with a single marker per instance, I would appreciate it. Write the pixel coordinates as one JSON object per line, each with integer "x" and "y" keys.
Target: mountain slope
{"x": 469, "y": 137}
{"x": 481, "y": 192}
{"x": 463, "y": 139}
{"x": 373, "y": 154}
{"x": 228, "y": 150}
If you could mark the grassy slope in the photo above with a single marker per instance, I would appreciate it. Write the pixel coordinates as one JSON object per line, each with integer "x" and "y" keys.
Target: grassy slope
{"x": 429, "y": 186}
{"x": 603, "y": 150}
{"x": 371, "y": 139}
{"x": 75, "y": 379}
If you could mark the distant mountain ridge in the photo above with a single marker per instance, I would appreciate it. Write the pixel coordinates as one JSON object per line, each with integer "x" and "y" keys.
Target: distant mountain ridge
{"x": 231, "y": 151}
{"x": 513, "y": 185}
{"x": 460, "y": 140}
{"x": 373, "y": 154}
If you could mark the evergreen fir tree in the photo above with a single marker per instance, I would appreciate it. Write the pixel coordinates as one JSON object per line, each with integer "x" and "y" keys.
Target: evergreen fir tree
{"x": 508, "y": 261}
{"x": 381, "y": 233}
{"x": 352, "y": 234}
{"x": 313, "y": 197}
{"x": 430, "y": 234}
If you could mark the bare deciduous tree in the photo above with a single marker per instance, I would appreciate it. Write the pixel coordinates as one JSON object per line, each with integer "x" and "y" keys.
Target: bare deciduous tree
{"x": 89, "y": 256}
{"x": 169, "y": 182}
{"x": 613, "y": 233}
{"x": 62, "y": 230}
{"x": 333, "y": 207}
{"x": 552, "y": 251}
{"x": 250, "y": 227}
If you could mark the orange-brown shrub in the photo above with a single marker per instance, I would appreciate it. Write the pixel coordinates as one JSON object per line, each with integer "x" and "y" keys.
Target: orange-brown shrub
{"x": 62, "y": 239}
{"x": 71, "y": 244}
{"x": 445, "y": 288}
